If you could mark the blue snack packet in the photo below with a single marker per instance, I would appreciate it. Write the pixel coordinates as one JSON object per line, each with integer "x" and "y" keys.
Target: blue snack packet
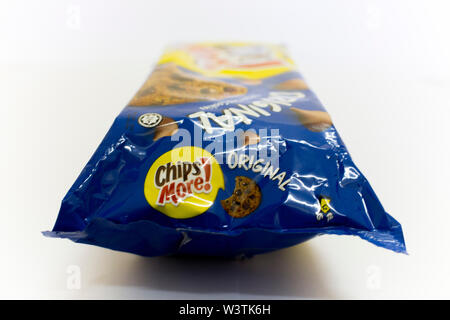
{"x": 224, "y": 151}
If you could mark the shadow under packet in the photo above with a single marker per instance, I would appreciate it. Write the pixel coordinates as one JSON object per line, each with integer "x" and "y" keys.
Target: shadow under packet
{"x": 223, "y": 151}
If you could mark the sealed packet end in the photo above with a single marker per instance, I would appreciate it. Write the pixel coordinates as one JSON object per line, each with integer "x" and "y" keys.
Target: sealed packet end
{"x": 223, "y": 151}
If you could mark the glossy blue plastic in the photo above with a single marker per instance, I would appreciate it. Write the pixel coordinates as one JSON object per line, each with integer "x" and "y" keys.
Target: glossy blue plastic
{"x": 106, "y": 205}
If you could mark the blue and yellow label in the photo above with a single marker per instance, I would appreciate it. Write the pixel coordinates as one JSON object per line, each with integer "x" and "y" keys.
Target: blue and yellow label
{"x": 183, "y": 183}
{"x": 235, "y": 59}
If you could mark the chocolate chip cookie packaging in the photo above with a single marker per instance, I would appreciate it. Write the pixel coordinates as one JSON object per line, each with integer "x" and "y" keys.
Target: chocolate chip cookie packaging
{"x": 223, "y": 151}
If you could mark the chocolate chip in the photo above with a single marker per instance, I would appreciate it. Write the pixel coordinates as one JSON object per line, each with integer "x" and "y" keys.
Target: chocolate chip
{"x": 179, "y": 78}
{"x": 146, "y": 91}
{"x": 175, "y": 87}
{"x": 229, "y": 89}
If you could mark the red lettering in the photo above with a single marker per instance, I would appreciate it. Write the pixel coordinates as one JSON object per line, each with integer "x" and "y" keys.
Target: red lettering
{"x": 181, "y": 190}
{"x": 198, "y": 183}
{"x": 188, "y": 184}
{"x": 167, "y": 192}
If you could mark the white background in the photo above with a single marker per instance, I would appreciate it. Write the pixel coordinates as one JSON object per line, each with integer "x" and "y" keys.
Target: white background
{"x": 381, "y": 68}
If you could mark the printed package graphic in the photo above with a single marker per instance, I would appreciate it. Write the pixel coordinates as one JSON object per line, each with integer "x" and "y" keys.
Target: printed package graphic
{"x": 223, "y": 151}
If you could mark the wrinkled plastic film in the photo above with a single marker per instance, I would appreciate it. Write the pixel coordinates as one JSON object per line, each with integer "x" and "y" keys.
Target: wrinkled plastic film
{"x": 223, "y": 151}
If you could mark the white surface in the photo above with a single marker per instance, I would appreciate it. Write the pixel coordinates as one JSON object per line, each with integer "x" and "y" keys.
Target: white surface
{"x": 381, "y": 68}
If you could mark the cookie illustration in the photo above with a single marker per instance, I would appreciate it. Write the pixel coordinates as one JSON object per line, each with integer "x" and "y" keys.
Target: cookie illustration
{"x": 252, "y": 82}
{"x": 313, "y": 120}
{"x": 245, "y": 199}
{"x": 169, "y": 85}
{"x": 165, "y": 128}
{"x": 291, "y": 85}
{"x": 250, "y": 138}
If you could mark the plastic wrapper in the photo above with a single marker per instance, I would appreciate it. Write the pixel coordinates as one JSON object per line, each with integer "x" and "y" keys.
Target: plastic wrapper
{"x": 223, "y": 151}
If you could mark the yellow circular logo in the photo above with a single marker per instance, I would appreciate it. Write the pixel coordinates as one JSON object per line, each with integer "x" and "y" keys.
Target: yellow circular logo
{"x": 183, "y": 183}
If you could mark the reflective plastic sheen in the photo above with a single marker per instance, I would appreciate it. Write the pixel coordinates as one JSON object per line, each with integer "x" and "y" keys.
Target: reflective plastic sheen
{"x": 223, "y": 151}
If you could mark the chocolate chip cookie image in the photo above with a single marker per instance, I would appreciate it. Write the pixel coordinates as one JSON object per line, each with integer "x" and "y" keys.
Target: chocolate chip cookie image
{"x": 250, "y": 137}
{"x": 245, "y": 199}
{"x": 291, "y": 85}
{"x": 166, "y": 128}
{"x": 169, "y": 85}
{"x": 313, "y": 120}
